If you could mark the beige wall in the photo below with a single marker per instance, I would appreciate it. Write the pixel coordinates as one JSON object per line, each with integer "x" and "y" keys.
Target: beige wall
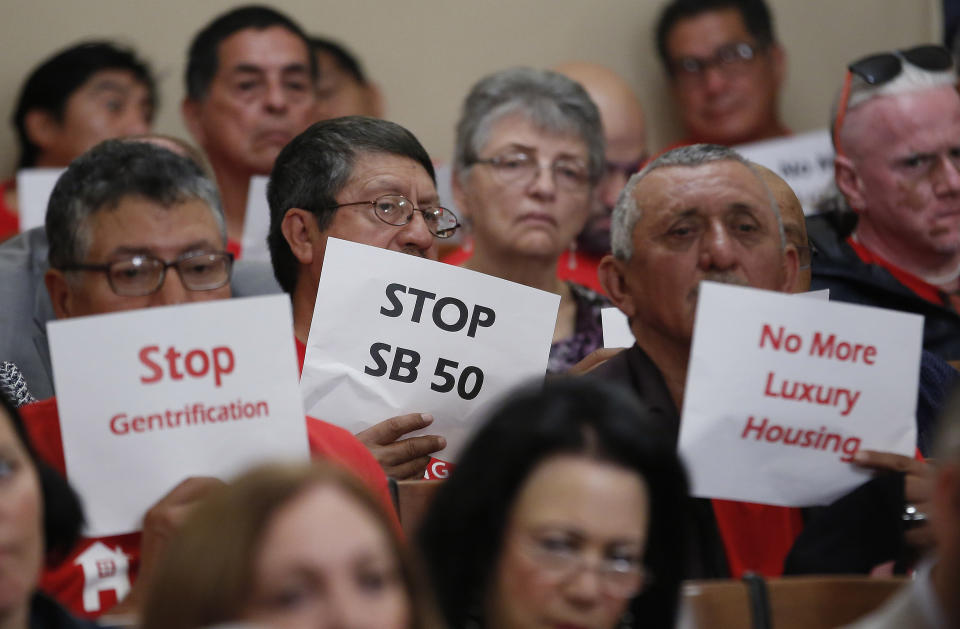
{"x": 427, "y": 53}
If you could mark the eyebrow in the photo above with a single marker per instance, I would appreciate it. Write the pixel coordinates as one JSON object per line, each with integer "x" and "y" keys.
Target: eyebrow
{"x": 196, "y": 245}
{"x": 109, "y": 85}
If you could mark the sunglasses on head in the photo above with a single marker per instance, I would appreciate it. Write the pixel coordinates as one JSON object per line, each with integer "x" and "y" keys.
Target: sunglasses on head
{"x": 882, "y": 68}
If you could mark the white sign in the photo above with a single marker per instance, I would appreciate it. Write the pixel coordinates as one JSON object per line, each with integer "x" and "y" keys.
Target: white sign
{"x": 256, "y": 222}
{"x": 394, "y": 334}
{"x": 34, "y": 186}
{"x": 805, "y": 162}
{"x": 616, "y": 326}
{"x": 781, "y": 393}
{"x": 616, "y": 329}
{"x": 150, "y": 397}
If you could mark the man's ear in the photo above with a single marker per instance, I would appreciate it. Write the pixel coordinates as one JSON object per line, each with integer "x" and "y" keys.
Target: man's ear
{"x": 778, "y": 59}
{"x": 459, "y": 195}
{"x": 613, "y": 278}
{"x": 299, "y": 229}
{"x": 791, "y": 268}
{"x": 61, "y": 293}
{"x": 190, "y": 111}
{"x": 849, "y": 182}
{"x": 41, "y": 128}
{"x": 375, "y": 100}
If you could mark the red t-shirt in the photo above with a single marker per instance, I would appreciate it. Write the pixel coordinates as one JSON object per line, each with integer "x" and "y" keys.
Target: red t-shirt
{"x": 577, "y": 267}
{"x": 99, "y": 571}
{"x": 9, "y": 220}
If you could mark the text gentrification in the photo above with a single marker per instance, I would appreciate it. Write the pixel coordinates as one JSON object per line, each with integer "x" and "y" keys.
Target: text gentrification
{"x": 178, "y": 391}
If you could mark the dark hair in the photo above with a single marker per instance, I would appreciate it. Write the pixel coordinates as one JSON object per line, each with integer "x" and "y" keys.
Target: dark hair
{"x": 100, "y": 178}
{"x": 755, "y": 15}
{"x": 344, "y": 59}
{"x": 62, "y": 512}
{"x": 312, "y": 169}
{"x": 204, "y": 54}
{"x": 462, "y": 534}
{"x": 50, "y": 85}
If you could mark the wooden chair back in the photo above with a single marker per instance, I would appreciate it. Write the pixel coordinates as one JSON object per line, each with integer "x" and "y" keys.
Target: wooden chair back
{"x": 819, "y": 602}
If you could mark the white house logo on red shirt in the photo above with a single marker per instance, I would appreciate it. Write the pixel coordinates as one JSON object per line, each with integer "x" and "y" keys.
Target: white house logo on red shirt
{"x": 104, "y": 569}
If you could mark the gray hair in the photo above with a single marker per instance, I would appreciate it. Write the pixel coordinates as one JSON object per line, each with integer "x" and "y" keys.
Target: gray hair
{"x": 911, "y": 79}
{"x": 626, "y": 213}
{"x": 551, "y": 101}
{"x": 102, "y": 177}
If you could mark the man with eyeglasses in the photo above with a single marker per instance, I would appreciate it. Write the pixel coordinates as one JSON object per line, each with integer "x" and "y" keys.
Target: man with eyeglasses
{"x": 896, "y": 131}
{"x": 625, "y": 152}
{"x": 133, "y": 225}
{"x": 368, "y": 181}
{"x": 725, "y": 69}
{"x": 699, "y": 213}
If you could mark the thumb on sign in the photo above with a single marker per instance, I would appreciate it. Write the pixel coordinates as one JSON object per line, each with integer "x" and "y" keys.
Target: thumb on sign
{"x": 402, "y": 458}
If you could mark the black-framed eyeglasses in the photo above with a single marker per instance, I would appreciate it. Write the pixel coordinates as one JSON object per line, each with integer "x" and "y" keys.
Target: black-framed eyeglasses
{"x": 522, "y": 168}
{"x": 398, "y": 210}
{"x": 882, "y": 68}
{"x": 144, "y": 274}
{"x": 729, "y": 59}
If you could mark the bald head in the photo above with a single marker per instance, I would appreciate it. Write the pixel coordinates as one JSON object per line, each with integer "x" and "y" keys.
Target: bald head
{"x": 624, "y": 130}
{"x": 794, "y": 223}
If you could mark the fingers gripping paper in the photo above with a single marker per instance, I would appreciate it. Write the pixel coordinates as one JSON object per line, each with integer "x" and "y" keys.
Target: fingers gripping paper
{"x": 394, "y": 334}
{"x": 782, "y": 392}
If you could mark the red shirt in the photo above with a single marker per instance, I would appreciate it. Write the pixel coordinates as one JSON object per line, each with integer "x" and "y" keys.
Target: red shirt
{"x": 99, "y": 571}
{"x": 9, "y": 220}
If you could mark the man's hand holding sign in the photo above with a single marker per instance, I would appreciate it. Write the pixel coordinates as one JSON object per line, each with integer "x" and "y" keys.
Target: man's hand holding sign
{"x": 417, "y": 335}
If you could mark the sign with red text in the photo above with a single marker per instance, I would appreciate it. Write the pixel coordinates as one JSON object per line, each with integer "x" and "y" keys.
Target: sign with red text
{"x": 395, "y": 334}
{"x": 782, "y": 392}
{"x": 34, "y": 186}
{"x": 256, "y": 221}
{"x": 804, "y": 161}
{"x": 150, "y": 397}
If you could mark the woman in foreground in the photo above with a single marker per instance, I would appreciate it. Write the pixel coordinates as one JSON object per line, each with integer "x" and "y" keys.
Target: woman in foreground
{"x": 288, "y": 547}
{"x": 561, "y": 514}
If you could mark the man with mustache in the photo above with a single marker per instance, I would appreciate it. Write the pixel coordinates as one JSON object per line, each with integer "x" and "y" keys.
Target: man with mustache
{"x": 897, "y": 137}
{"x": 251, "y": 87}
{"x": 368, "y": 181}
{"x": 696, "y": 213}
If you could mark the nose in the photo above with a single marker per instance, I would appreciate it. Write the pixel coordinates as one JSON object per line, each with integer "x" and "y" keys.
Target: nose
{"x": 416, "y": 235}
{"x": 172, "y": 291}
{"x": 948, "y": 176}
{"x": 584, "y": 587}
{"x": 275, "y": 99}
{"x": 544, "y": 184}
{"x": 342, "y": 609}
{"x": 714, "y": 79}
{"x": 717, "y": 249}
